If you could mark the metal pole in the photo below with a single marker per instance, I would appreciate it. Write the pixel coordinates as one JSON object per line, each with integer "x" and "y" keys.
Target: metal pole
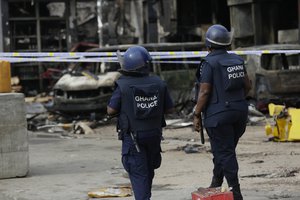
{"x": 39, "y": 42}
{"x": 1, "y": 27}
{"x": 72, "y": 28}
{"x": 99, "y": 19}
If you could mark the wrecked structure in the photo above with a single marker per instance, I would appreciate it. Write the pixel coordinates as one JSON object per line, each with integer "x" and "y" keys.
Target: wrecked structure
{"x": 88, "y": 86}
{"x": 80, "y": 93}
{"x": 79, "y": 25}
{"x": 51, "y": 26}
{"x": 274, "y": 75}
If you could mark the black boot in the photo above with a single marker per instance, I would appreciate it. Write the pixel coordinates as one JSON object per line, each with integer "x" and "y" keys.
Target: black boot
{"x": 237, "y": 195}
{"x": 216, "y": 182}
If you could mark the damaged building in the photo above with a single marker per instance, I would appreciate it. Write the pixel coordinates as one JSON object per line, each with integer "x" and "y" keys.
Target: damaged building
{"x": 78, "y": 25}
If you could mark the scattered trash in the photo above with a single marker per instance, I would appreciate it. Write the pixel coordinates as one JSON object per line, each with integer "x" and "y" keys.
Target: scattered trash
{"x": 253, "y": 111}
{"x": 117, "y": 191}
{"x": 15, "y": 84}
{"x": 255, "y": 117}
{"x": 284, "y": 173}
{"x": 56, "y": 127}
{"x": 35, "y": 108}
{"x": 280, "y": 196}
{"x": 82, "y": 128}
{"x": 178, "y": 123}
{"x": 192, "y": 148}
{"x": 256, "y": 120}
{"x": 40, "y": 117}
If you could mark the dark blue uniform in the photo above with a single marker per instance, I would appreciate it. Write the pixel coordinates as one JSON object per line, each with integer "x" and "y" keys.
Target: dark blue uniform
{"x": 225, "y": 114}
{"x": 141, "y": 102}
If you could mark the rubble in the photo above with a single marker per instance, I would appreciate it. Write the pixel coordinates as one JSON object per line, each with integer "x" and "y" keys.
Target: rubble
{"x": 15, "y": 84}
{"x": 178, "y": 123}
{"x": 116, "y": 191}
{"x": 82, "y": 128}
{"x": 282, "y": 173}
{"x": 194, "y": 148}
{"x": 255, "y": 117}
{"x": 40, "y": 117}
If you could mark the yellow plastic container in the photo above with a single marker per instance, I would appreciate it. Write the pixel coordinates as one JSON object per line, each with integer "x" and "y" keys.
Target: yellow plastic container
{"x": 286, "y": 123}
{"x": 294, "y": 132}
{"x": 5, "y": 77}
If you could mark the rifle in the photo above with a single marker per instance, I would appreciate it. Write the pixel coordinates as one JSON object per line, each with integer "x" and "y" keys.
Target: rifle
{"x": 201, "y": 130}
{"x": 194, "y": 100}
{"x": 120, "y": 131}
{"x": 133, "y": 137}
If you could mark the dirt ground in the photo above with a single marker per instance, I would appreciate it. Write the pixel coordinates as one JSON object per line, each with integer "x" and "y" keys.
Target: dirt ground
{"x": 268, "y": 170}
{"x": 67, "y": 167}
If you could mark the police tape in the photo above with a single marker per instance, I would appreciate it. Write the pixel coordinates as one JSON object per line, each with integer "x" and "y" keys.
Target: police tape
{"x": 57, "y": 59}
{"x": 88, "y": 60}
{"x": 158, "y": 57}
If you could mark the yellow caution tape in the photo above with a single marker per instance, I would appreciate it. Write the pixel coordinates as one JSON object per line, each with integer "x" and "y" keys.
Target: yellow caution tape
{"x": 111, "y": 56}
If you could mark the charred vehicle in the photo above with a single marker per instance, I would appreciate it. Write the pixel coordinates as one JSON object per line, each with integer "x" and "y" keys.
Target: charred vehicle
{"x": 84, "y": 89}
{"x": 275, "y": 76}
{"x": 88, "y": 86}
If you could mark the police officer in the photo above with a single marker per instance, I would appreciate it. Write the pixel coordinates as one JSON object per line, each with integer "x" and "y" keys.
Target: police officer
{"x": 140, "y": 100}
{"x": 222, "y": 90}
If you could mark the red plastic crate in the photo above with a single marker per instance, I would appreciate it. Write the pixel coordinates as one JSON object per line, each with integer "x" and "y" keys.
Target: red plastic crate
{"x": 211, "y": 194}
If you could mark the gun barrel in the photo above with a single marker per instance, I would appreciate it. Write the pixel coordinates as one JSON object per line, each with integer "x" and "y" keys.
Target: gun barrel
{"x": 135, "y": 143}
{"x": 201, "y": 131}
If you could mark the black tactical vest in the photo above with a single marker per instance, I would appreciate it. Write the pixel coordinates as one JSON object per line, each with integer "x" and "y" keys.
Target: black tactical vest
{"x": 228, "y": 83}
{"x": 142, "y": 102}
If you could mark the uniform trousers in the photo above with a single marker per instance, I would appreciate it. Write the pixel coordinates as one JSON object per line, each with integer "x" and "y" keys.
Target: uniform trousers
{"x": 224, "y": 137}
{"x": 141, "y": 165}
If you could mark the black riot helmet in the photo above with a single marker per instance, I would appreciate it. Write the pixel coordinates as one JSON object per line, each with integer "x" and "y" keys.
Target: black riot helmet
{"x": 217, "y": 36}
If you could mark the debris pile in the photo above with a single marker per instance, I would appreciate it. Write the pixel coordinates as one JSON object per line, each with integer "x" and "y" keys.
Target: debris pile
{"x": 255, "y": 117}
{"x": 39, "y": 118}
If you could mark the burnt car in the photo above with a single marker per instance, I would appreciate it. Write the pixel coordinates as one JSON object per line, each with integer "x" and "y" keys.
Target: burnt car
{"x": 88, "y": 86}
{"x": 84, "y": 89}
{"x": 275, "y": 76}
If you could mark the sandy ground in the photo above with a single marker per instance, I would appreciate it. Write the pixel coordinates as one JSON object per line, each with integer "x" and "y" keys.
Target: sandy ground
{"x": 68, "y": 167}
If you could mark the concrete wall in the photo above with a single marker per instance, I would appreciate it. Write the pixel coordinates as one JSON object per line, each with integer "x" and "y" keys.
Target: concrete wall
{"x": 14, "y": 156}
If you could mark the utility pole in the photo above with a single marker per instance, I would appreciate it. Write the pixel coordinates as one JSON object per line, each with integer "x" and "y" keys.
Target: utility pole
{"x": 99, "y": 20}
